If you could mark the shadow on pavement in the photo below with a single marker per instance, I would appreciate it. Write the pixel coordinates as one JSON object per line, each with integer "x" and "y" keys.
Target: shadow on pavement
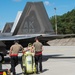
{"x": 45, "y": 58}
{"x": 44, "y": 70}
{"x": 57, "y": 56}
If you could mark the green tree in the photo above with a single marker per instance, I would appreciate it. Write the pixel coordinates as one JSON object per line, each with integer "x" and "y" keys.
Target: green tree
{"x": 65, "y": 22}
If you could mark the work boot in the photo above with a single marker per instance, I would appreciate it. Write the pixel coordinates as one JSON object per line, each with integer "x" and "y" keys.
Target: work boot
{"x": 14, "y": 73}
{"x": 11, "y": 73}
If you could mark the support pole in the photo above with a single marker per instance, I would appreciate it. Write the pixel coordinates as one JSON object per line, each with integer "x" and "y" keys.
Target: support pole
{"x": 55, "y": 21}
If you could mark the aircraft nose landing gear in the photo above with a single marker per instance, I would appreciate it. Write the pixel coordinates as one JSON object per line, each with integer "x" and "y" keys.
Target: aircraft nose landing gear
{"x": 2, "y": 71}
{"x": 1, "y": 60}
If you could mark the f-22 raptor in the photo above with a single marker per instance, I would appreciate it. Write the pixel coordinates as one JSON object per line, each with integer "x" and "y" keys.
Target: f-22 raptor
{"x": 32, "y": 22}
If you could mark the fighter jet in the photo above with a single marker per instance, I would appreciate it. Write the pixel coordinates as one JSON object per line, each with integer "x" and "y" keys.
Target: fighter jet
{"x": 32, "y": 22}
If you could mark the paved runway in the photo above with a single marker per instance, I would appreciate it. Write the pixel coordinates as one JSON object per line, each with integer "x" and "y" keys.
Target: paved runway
{"x": 57, "y": 60}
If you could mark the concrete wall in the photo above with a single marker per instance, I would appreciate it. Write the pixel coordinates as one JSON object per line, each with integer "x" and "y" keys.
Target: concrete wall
{"x": 62, "y": 42}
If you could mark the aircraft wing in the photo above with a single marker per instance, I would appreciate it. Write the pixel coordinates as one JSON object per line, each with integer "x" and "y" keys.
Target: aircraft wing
{"x": 28, "y": 36}
{"x": 18, "y": 37}
{"x": 58, "y": 35}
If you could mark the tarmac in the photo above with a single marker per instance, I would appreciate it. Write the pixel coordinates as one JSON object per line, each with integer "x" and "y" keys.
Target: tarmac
{"x": 57, "y": 60}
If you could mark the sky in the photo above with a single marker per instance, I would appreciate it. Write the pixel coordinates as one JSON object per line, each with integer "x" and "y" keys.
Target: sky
{"x": 10, "y": 8}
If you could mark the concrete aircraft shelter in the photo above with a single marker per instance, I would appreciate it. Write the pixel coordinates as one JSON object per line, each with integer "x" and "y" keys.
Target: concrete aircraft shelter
{"x": 8, "y": 27}
{"x": 34, "y": 20}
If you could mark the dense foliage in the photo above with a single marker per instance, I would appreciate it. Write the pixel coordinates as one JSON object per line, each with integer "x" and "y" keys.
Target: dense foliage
{"x": 65, "y": 23}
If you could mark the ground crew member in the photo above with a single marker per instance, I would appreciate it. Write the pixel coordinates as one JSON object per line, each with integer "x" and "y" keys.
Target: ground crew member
{"x": 13, "y": 53}
{"x": 30, "y": 47}
{"x": 38, "y": 54}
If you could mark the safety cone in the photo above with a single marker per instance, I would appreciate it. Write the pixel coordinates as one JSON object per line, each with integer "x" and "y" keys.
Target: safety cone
{"x": 4, "y": 73}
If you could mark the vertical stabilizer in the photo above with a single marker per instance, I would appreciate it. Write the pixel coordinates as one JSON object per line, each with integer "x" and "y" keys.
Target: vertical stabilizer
{"x": 34, "y": 20}
{"x": 7, "y": 28}
{"x": 16, "y": 21}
